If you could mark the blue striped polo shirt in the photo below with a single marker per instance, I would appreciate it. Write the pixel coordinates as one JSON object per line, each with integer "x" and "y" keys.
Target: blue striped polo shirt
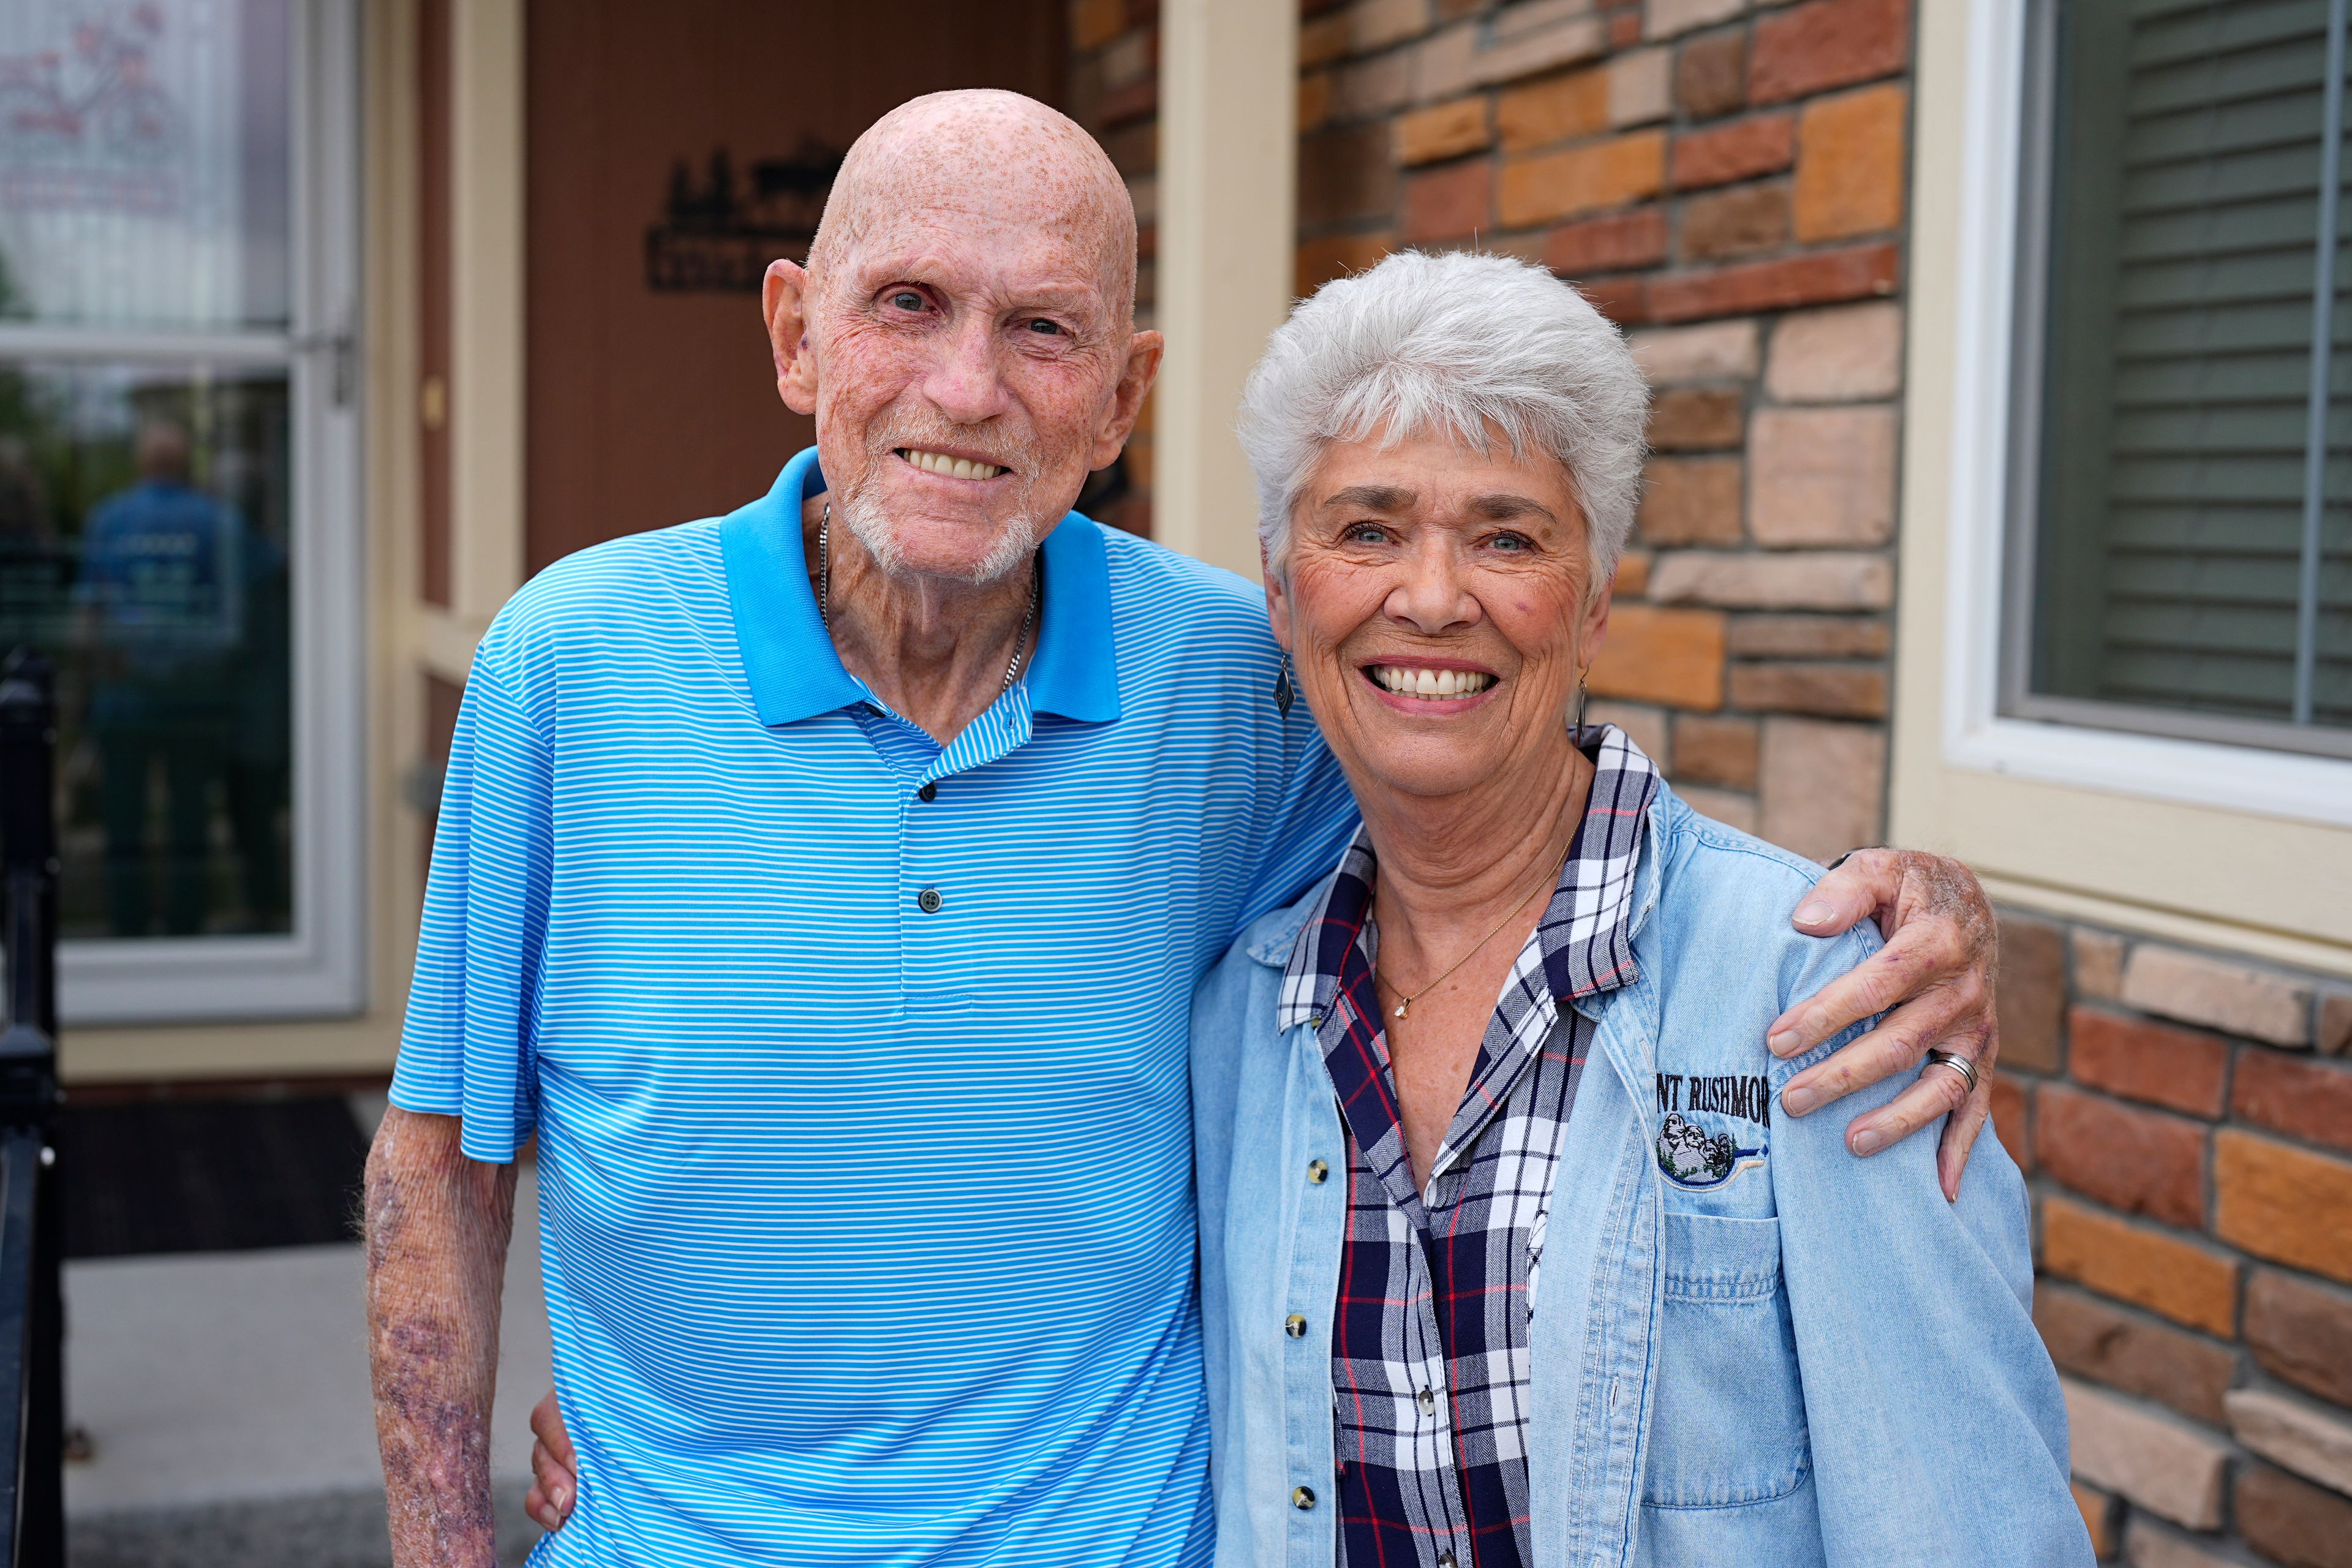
{"x": 867, "y": 1217}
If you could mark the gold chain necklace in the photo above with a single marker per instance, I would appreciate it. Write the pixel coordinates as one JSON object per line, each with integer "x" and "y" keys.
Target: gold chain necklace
{"x": 1404, "y": 1001}
{"x": 824, "y": 597}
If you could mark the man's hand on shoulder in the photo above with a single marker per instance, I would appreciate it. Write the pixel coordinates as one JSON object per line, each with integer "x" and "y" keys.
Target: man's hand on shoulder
{"x": 1933, "y": 981}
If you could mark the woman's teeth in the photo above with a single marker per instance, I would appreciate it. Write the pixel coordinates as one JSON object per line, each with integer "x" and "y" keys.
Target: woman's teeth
{"x": 1432, "y": 683}
{"x": 953, "y": 467}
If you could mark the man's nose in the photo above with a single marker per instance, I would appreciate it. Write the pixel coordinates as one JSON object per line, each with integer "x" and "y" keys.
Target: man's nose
{"x": 1435, "y": 595}
{"x": 967, "y": 384}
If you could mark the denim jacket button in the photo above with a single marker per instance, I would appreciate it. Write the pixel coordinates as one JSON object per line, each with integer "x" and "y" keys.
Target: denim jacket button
{"x": 1302, "y": 1498}
{"x": 1294, "y": 1326}
{"x": 1317, "y": 1171}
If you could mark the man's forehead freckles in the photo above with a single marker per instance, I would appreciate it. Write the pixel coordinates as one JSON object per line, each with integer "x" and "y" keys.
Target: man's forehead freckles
{"x": 999, "y": 217}
{"x": 986, "y": 257}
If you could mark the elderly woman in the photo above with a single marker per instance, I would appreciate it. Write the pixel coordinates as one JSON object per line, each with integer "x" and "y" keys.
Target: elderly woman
{"x": 1507, "y": 1257}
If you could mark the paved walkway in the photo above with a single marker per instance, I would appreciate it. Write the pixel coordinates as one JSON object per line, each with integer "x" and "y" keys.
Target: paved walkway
{"x": 227, "y": 1394}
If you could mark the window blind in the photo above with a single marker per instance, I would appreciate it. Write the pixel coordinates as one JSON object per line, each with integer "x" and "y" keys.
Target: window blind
{"x": 2176, "y": 504}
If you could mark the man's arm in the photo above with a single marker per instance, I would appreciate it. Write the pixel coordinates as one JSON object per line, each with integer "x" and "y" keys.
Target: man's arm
{"x": 1934, "y": 981}
{"x": 438, "y": 1227}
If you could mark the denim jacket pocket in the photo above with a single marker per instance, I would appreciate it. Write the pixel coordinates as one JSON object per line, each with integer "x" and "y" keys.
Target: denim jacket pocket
{"x": 1728, "y": 1427}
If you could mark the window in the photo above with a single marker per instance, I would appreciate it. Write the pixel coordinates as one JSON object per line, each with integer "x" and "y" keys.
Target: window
{"x": 2069, "y": 810}
{"x": 177, "y": 474}
{"x": 2182, "y": 457}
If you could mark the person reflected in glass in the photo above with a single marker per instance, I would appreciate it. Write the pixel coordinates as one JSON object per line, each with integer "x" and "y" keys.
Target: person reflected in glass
{"x": 161, "y": 585}
{"x": 260, "y": 766}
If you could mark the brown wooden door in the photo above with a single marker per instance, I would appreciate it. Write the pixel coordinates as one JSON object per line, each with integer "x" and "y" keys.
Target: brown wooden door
{"x": 651, "y": 400}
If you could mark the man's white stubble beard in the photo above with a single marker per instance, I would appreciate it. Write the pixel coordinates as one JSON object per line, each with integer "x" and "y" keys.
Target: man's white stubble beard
{"x": 861, "y": 509}
{"x": 1004, "y": 557}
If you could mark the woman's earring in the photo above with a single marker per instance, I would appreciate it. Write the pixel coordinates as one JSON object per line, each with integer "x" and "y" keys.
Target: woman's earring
{"x": 1282, "y": 688}
{"x": 1576, "y": 725}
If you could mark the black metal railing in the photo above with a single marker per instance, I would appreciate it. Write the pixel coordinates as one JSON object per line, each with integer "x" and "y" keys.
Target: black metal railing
{"x": 31, "y": 1308}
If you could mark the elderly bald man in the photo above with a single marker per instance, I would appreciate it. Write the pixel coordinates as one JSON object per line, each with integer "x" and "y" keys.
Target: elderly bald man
{"x": 823, "y": 885}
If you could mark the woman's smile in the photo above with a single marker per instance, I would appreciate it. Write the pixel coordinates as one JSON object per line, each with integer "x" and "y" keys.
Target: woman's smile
{"x": 1431, "y": 687}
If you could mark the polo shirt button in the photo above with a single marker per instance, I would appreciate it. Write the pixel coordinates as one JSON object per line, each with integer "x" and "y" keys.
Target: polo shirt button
{"x": 930, "y": 791}
{"x": 1294, "y": 1326}
{"x": 1317, "y": 1171}
{"x": 929, "y": 900}
{"x": 1302, "y": 1498}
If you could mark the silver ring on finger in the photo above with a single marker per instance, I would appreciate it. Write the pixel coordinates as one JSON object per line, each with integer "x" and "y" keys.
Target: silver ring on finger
{"x": 1957, "y": 1063}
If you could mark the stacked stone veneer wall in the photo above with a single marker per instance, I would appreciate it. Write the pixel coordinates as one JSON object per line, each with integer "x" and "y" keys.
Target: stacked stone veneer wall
{"x": 2186, "y": 1123}
{"x": 1730, "y": 183}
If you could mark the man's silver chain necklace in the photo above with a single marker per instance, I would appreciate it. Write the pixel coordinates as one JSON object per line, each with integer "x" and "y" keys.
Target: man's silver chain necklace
{"x": 824, "y": 598}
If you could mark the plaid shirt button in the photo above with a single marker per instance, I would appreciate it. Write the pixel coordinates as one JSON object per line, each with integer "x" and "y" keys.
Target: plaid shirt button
{"x": 1428, "y": 1403}
{"x": 1445, "y": 1559}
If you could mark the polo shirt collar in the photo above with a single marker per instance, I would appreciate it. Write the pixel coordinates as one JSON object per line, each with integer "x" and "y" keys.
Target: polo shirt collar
{"x": 1076, "y": 672}
{"x": 795, "y": 672}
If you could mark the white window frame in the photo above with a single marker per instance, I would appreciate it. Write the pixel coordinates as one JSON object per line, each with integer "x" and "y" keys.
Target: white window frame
{"x": 1977, "y": 736}
{"x": 320, "y": 969}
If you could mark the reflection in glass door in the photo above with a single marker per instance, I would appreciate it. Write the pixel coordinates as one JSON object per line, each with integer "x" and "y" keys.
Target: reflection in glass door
{"x": 148, "y": 414}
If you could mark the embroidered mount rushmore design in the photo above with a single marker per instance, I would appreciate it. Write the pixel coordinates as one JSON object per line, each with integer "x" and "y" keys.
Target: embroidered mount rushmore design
{"x": 1692, "y": 1157}
{"x": 1688, "y": 1154}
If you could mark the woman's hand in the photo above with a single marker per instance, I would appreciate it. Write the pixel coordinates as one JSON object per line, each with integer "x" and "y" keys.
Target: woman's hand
{"x": 555, "y": 1471}
{"x": 1934, "y": 981}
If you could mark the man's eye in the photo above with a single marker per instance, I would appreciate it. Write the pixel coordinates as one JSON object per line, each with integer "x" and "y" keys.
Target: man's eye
{"x": 906, "y": 300}
{"x": 1045, "y": 328}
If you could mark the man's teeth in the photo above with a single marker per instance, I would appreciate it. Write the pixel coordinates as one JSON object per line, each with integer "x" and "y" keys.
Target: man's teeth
{"x": 1414, "y": 681}
{"x": 953, "y": 467}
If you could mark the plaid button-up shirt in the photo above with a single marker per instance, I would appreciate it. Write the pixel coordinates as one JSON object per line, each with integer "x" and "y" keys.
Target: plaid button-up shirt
{"x": 1429, "y": 1355}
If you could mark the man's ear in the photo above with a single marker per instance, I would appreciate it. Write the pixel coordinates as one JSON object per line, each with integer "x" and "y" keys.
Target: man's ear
{"x": 783, "y": 301}
{"x": 1135, "y": 379}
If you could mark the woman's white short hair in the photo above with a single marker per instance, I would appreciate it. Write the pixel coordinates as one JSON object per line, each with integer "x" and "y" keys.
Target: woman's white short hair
{"x": 1446, "y": 343}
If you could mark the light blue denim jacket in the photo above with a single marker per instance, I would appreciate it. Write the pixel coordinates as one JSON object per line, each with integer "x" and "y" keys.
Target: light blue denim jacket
{"x": 1778, "y": 1355}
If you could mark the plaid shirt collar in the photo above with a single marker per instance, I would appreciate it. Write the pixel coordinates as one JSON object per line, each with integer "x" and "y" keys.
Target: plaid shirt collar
{"x": 1586, "y": 937}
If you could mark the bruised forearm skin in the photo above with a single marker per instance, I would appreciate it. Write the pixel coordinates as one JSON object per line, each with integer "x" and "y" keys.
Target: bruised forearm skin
{"x": 437, "y": 1227}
